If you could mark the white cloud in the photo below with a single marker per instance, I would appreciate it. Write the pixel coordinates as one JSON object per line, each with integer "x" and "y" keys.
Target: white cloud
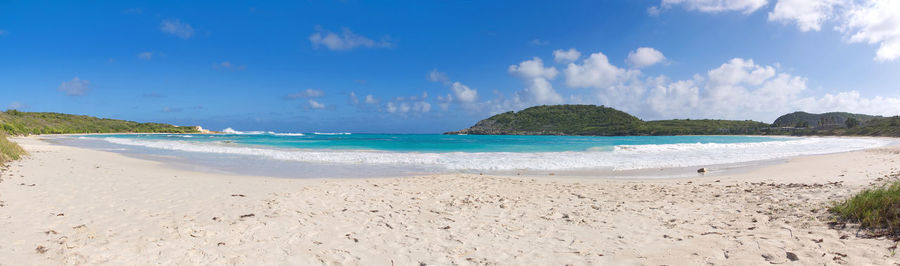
{"x": 808, "y": 14}
{"x": 16, "y": 106}
{"x": 851, "y": 101}
{"x": 347, "y": 40}
{"x": 677, "y": 97}
{"x": 716, "y": 6}
{"x": 594, "y": 72}
{"x": 566, "y": 56}
{"x": 316, "y": 105}
{"x": 371, "y": 99}
{"x": 653, "y": 11}
{"x": 540, "y": 42}
{"x": 422, "y": 107}
{"x": 145, "y": 55}
{"x": 741, "y": 89}
{"x": 644, "y": 57}
{"x": 74, "y": 87}
{"x": 875, "y": 21}
{"x": 739, "y": 70}
{"x": 177, "y": 28}
{"x": 353, "y": 99}
{"x": 533, "y": 68}
{"x": 437, "y": 76}
{"x": 537, "y": 81}
{"x": 227, "y": 65}
{"x": 463, "y": 93}
{"x": 863, "y": 21}
{"x": 407, "y": 107}
{"x": 737, "y": 89}
{"x": 308, "y": 93}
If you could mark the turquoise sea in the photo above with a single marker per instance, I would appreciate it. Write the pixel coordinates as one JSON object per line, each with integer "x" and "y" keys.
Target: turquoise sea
{"x": 345, "y": 154}
{"x": 438, "y": 143}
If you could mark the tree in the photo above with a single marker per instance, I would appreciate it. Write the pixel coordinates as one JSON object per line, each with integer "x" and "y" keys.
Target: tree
{"x": 851, "y": 122}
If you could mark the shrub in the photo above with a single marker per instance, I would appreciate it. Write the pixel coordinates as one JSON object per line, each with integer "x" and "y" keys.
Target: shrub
{"x": 876, "y": 209}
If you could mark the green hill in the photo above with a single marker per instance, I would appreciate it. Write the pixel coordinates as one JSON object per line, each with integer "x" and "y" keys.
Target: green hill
{"x": 24, "y": 123}
{"x": 556, "y": 120}
{"x": 880, "y": 126}
{"x": 600, "y": 121}
{"x": 819, "y": 121}
{"x": 591, "y": 120}
{"x": 14, "y": 122}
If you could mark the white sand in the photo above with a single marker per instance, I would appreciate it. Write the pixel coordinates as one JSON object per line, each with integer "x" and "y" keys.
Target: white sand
{"x": 65, "y": 205}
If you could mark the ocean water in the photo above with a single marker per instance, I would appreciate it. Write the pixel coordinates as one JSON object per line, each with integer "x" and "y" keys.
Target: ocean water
{"x": 345, "y": 154}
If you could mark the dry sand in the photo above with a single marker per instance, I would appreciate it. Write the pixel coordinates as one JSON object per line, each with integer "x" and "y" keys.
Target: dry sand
{"x": 66, "y": 205}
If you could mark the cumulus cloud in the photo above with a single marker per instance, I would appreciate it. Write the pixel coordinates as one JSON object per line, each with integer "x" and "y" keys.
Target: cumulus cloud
{"x": 463, "y": 93}
{"x": 742, "y": 89}
{"x": 308, "y": 93}
{"x": 460, "y": 93}
{"x": 566, "y": 56}
{"x": 145, "y": 55}
{"x": 316, "y": 105}
{"x": 227, "y": 65}
{"x": 594, "y": 72}
{"x": 537, "y": 81}
{"x": 808, "y": 14}
{"x": 737, "y": 89}
{"x": 437, "y": 76}
{"x": 345, "y": 41}
{"x": 875, "y": 21}
{"x": 862, "y": 21}
{"x": 405, "y": 107}
{"x": 74, "y": 87}
{"x": 644, "y": 57}
{"x": 177, "y": 28}
{"x": 851, "y": 101}
{"x": 371, "y": 99}
{"x": 716, "y": 6}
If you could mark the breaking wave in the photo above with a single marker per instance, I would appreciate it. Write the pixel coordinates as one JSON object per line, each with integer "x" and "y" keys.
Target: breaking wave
{"x": 622, "y": 157}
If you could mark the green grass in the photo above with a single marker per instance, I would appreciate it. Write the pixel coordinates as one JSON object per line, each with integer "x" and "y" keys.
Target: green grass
{"x": 9, "y": 151}
{"x": 876, "y": 209}
{"x": 25, "y": 123}
{"x": 14, "y": 122}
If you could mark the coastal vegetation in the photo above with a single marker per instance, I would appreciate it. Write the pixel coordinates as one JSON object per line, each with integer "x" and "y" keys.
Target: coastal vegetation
{"x": 876, "y": 209}
{"x": 13, "y": 122}
{"x": 592, "y": 120}
{"x": 9, "y": 151}
{"x": 25, "y": 123}
{"x": 825, "y": 120}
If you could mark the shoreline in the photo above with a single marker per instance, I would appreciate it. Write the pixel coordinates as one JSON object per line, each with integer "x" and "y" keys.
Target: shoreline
{"x": 212, "y": 161}
{"x": 89, "y": 206}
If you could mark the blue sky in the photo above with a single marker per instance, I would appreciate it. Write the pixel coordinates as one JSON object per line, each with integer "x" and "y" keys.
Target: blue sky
{"x": 434, "y": 66}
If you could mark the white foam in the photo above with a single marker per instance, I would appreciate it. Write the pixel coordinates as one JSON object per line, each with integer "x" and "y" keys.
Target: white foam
{"x": 235, "y": 132}
{"x": 232, "y": 131}
{"x": 288, "y": 134}
{"x": 622, "y": 157}
{"x": 337, "y": 133}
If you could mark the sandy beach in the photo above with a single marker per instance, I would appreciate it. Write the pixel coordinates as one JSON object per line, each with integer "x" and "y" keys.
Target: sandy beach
{"x": 66, "y": 205}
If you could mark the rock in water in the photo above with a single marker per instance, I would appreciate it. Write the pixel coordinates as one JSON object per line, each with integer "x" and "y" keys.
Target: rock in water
{"x": 702, "y": 170}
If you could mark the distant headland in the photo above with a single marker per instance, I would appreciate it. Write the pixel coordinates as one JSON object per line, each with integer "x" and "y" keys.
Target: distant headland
{"x": 592, "y": 120}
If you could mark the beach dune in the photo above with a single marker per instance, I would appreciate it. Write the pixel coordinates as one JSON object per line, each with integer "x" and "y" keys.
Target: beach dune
{"x": 67, "y": 205}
